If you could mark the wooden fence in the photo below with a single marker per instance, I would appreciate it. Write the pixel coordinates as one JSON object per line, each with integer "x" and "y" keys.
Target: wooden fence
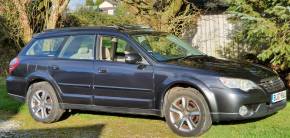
{"x": 214, "y": 37}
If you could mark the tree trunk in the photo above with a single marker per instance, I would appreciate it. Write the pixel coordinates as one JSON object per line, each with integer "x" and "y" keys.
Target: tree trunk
{"x": 23, "y": 19}
{"x": 52, "y": 20}
{"x": 27, "y": 31}
{"x": 288, "y": 80}
{"x": 58, "y": 7}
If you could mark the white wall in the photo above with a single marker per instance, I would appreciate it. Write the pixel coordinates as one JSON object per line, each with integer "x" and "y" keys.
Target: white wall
{"x": 111, "y": 12}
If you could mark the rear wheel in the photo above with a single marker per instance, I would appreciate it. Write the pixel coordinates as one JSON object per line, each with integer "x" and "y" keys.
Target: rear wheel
{"x": 186, "y": 112}
{"x": 42, "y": 103}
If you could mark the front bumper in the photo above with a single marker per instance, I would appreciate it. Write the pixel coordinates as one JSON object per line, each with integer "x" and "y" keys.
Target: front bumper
{"x": 261, "y": 110}
{"x": 258, "y": 103}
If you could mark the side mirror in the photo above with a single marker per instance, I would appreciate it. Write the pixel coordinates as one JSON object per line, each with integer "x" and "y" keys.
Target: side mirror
{"x": 133, "y": 58}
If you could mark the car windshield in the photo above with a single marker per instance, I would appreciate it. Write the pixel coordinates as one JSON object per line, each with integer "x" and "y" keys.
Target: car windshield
{"x": 165, "y": 47}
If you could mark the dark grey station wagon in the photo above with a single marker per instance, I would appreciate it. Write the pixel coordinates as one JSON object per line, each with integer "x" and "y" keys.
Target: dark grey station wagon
{"x": 139, "y": 71}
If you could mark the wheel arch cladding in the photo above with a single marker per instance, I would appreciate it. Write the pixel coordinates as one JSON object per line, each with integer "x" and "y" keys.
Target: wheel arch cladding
{"x": 40, "y": 77}
{"x": 207, "y": 94}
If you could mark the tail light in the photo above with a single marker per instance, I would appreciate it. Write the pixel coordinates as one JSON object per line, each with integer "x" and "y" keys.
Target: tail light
{"x": 13, "y": 64}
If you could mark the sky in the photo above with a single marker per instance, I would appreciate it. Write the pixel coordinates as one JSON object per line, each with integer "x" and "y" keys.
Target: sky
{"x": 73, "y": 4}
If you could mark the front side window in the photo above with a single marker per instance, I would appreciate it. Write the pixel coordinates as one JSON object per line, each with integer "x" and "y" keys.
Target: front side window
{"x": 79, "y": 47}
{"x": 114, "y": 49}
{"x": 164, "y": 47}
{"x": 45, "y": 47}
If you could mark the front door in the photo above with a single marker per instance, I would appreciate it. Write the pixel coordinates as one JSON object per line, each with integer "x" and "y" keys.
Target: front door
{"x": 118, "y": 83}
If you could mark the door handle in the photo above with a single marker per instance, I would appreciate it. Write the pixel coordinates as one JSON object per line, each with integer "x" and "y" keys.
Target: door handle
{"x": 102, "y": 70}
{"x": 54, "y": 67}
{"x": 141, "y": 67}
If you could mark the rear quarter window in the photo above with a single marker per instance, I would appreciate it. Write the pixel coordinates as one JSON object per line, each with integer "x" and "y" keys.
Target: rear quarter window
{"x": 46, "y": 47}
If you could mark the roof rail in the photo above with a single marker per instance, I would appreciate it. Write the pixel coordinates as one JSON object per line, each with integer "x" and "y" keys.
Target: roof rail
{"x": 79, "y": 28}
{"x": 134, "y": 27}
{"x": 117, "y": 27}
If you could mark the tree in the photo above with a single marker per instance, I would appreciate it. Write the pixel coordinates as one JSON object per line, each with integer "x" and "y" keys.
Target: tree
{"x": 93, "y": 2}
{"x": 175, "y": 16}
{"x": 98, "y": 2}
{"x": 57, "y": 8}
{"x": 265, "y": 26}
{"x": 89, "y": 17}
{"x": 12, "y": 34}
{"x": 19, "y": 19}
{"x": 90, "y": 3}
{"x": 53, "y": 13}
{"x": 24, "y": 18}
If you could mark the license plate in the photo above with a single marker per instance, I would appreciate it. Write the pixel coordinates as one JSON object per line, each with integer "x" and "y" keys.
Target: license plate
{"x": 279, "y": 96}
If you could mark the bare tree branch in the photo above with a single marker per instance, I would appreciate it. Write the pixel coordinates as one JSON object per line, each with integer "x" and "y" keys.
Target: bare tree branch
{"x": 58, "y": 7}
{"x": 63, "y": 6}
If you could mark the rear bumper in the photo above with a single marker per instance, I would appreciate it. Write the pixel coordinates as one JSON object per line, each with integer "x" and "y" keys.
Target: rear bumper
{"x": 16, "y": 86}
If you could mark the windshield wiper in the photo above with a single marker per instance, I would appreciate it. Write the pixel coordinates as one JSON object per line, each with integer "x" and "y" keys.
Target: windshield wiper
{"x": 182, "y": 58}
{"x": 190, "y": 56}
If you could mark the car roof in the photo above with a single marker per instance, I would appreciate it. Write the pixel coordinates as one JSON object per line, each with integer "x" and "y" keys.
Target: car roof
{"x": 129, "y": 29}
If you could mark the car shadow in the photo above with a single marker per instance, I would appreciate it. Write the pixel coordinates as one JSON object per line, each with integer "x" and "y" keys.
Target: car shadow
{"x": 151, "y": 117}
{"x": 82, "y": 132}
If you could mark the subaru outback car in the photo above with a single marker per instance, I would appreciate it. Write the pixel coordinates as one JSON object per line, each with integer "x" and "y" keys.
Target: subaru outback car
{"x": 139, "y": 71}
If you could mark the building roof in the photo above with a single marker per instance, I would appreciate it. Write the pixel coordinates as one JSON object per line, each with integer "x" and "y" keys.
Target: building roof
{"x": 114, "y": 2}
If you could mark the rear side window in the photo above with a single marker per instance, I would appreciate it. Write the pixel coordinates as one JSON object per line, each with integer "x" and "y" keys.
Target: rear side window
{"x": 45, "y": 47}
{"x": 79, "y": 47}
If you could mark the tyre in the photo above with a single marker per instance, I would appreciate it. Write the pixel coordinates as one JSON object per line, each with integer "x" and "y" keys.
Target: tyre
{"x": 186, "y": 112}
{"x": 42, "y": 103}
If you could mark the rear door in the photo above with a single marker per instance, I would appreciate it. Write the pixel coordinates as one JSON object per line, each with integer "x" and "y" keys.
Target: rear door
{"x": 73, "y": 68}
{"x": 117, "y": 83}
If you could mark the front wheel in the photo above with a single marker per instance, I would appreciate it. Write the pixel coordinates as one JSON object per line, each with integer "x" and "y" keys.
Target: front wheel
{"x": 42, "y": 103}
{"x": 186, "y": 112}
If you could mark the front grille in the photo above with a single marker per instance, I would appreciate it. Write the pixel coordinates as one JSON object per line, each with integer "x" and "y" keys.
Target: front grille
{"x": 272, "y": 84}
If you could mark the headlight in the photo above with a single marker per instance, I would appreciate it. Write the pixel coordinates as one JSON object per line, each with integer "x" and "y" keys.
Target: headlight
{"x": 242, "y": 84}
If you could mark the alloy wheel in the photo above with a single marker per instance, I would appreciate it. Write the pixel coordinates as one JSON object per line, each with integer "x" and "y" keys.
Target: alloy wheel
{"x": 185, "y": 114}
{"x": 41, "y": 104}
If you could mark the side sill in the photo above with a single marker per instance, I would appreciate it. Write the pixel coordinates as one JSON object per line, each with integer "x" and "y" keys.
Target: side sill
{"x": 110, "y": 109}
{"x": 17, "y": 97}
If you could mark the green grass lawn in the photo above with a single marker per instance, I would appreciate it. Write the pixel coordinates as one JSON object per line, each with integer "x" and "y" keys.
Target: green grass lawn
{"x": 91, "y": 124}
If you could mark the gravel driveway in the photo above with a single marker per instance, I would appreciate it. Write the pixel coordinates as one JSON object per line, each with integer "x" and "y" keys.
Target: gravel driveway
{"x": 7, "y": 127}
